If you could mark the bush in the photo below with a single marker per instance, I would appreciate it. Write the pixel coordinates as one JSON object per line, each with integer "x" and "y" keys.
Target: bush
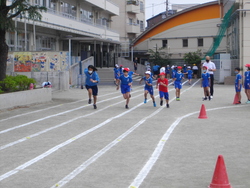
{"x": 16, "y": 83}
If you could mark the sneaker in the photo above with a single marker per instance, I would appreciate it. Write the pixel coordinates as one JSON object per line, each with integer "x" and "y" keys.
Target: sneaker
{"x": 89, "y": 101}
{"x": 238, "y": 102}
{"x": 211, "y": 97}
{"x": 204, "y": 99}
{"x": 154, "y": 104}
{"x": 161, "y": 103}
{"x": 167, "y": 105}
{"x": 95, "y": 107}
{"x": 178, "y": 99}
{"x": 145, "y": 101}
{"x": 248, "y": 102}
{"x": 126, "y": 106}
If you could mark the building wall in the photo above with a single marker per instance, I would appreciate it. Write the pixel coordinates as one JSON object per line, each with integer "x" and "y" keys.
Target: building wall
{"x": 193, "y": 31}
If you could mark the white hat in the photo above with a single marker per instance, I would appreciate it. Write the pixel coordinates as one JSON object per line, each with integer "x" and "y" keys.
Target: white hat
{"x": 148, "y": 72}
{"x": 116, "y": 65}
{"x": 189, "y": 67}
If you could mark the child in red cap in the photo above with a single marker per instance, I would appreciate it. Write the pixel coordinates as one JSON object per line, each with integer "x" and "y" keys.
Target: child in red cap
{"x": 163, "y": 89}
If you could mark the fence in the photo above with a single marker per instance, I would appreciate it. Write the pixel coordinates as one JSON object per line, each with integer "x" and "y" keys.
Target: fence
{"x": 76, "y": 78}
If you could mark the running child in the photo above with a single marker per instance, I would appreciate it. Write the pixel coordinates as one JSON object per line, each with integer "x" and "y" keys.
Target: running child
{"x": 238, "y": 85}
{"x": 126, "y": 82}
{"x": 179, "y": 76}
{"x": 189, "y": 75}
{"x": 205, "y": 82}
{"x": 92, "y": 79}
{"x": 148, "y": 87}
{"x": 163, "y": 89}
{"x": 247, "y": 83}
{"x": 116, "y": 74}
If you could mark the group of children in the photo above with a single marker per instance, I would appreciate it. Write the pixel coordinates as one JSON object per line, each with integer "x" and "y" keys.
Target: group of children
{"x": 123, "y": 80}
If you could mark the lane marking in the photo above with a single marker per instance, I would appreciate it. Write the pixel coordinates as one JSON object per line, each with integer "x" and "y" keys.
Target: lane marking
{"x": 157, "y": 152}
{"x": 57, "y": 126}
{"x": 92, "y": 159}
{"x": 58, "y": 114}
{"x": 55, "y": 148}
{"x": 28, "y": 113}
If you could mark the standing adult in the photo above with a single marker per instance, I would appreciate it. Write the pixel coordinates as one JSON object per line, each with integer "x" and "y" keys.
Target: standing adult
{"x": 211, "y": 69}
{"x": 135, "y": 64}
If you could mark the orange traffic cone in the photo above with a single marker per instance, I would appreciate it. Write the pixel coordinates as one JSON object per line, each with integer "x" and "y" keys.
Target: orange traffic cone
{"x": 220, "y": 179}
{"x": 236, "y": 99}
{"x": 203, "y": 114}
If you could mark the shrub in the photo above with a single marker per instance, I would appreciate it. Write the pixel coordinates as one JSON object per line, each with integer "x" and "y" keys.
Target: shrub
{"x": 16, "y": 83}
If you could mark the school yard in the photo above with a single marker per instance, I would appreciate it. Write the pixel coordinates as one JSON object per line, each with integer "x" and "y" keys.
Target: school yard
{"x": 66, "y": 143}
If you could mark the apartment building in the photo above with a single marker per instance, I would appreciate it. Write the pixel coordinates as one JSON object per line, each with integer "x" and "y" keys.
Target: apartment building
{"x": 130, "y": 23}
{"x": 83, "y": 27}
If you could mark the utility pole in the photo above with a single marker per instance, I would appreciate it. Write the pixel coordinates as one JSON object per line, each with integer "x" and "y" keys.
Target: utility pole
{"x": 166, "y": 8}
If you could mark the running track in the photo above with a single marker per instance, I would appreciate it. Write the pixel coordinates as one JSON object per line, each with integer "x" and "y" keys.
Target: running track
{"x": 68, "y": 144}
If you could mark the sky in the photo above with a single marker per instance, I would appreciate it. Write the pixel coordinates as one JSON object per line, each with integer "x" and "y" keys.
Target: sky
{"x": 160, "y": 5}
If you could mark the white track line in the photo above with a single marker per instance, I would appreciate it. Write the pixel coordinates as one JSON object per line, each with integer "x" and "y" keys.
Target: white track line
{"x": 12, "y": 117}
{"x": 59, "y": 125}
{"x": 58, "y": 114}
{"x": 157, "y": 152}
{"x": 54, "y": 127}
{"x": 54, "y": 149}
{"x": 92, "y": 159}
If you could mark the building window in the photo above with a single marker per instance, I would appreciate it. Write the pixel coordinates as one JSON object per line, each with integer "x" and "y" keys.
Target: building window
{"x": 141, "y": 6}
{"x": 164, "y": 43}
{"x": 130, "y": 21}
{"x": 185, "y": 43}
{"x": 141, "y": 26}
{"x": 45, "y": 43}
{"x": 200, "y": 42}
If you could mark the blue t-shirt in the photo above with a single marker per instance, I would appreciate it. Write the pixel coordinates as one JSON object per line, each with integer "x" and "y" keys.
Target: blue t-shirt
{"x": 116, "y": 72}
{"x": 247, "y": 77}
{"x": 184, "y": 69}
{"x": 121, "y": 71}
{"x": 156, "y": 68}
{"x": 237, "y": 78}
{"x": 93, "y": 76}
{"x": 205, "y": 77}
{"x": 149, "y": 80}
{"x": 190, "y": 72}
{"x": 130, "y": 73}
{"x": 179, "y": 76}
{"x": 125, "y": 80}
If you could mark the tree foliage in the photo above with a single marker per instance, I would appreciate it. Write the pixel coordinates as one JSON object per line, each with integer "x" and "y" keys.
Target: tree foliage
{"x": 20, "y": 9}
{"x": 156, "y": 57}
{"x": 193, "y": 57}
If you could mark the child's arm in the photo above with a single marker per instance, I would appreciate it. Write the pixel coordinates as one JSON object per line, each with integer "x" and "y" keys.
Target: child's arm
{"x": 140, "y": 81}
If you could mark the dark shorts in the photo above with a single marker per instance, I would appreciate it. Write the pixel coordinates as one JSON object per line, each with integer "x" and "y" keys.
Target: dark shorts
{"x": 149, "y": 89}
{"x": 164, "y": 94}
{"x": 195, "y": 71}
{"x": 178, "y": 85}
{"x": 135, "y": 68}
{"x": 237, "y": 89}
{"x": 247, "y": 85}
{"x": 94, "y": 89}
{"x": 125, "y": 88}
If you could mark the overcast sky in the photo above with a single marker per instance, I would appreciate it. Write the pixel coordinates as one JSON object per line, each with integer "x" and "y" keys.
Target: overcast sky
{"x": 160, "y": 5}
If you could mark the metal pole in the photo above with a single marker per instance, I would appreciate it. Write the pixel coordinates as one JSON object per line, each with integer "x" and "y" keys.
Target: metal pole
{"x": 70, "y": 60}
{"x": 15, "y": 42}
{"x": 34, "y": 36}
{"x": 166, "y": 7}
{"x": 25, "y": 35}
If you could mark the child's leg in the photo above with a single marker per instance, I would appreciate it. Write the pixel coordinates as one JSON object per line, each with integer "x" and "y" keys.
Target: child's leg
{"x": 153, "y": 98}
{"x": 205, "y": 91}
{"x": 239, "y": 95}
{"x": 176, "y": 92}
{"x": 145, "y": 94}
{"x": 248, "y": 94}
{"x": 90, "y": 93}
{"x": 95, "y": 99}
{"x": 208, "y": 93}
{"x": 127, "y": 97}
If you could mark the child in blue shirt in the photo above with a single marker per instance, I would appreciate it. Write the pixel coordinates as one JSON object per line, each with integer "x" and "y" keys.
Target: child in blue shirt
{"x": 205, "y": 82}
{"x": 92, "y": 79}
{"x": 116, "y": 74}
{"x": 179, "y": 76}
{"x": 126, "y": 82}
{"x": 247, "y": 83}
{"x": 189, "y": 75}
{"x": 148, "y": 87}
{"x": 238, "y": 85}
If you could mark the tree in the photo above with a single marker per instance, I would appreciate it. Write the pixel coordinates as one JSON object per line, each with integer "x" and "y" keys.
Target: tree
{"x": 18, "y": 8}
{"x": 193, "y": 57}
{"x": 156, "y": 57}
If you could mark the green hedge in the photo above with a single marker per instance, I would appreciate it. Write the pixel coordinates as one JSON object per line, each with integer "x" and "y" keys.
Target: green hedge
{"x": 16, "y": 83}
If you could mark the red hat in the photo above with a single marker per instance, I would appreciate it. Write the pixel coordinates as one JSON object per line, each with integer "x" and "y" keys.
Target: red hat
{"x": 205, "y": 67}
{"x": 162, "y": 73}
{"x": 126, "y": 69}
{"x": 120, "y": 65}
{"x": 179, "y": 67}
{"x": 247, "y": 65}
